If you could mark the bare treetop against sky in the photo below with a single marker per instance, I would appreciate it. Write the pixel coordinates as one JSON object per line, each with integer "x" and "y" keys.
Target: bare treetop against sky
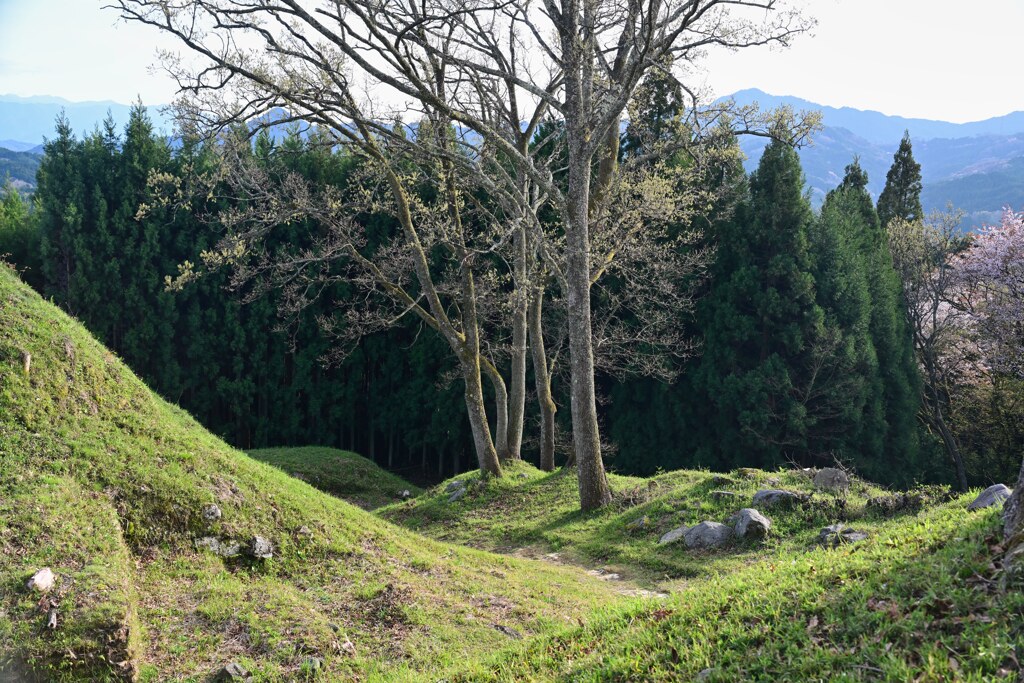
{"x": 918, "y": 58}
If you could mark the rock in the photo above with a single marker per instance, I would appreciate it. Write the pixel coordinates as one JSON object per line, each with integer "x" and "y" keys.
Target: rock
{"x": 831, "y": 479}
{"x": 349, "y": 648}
{"x": 707, "y": 535}
{"x": 897, "y": 502}
{"x": 233, "y": 672}
{"x": 211, "y": 513}
{"x": 311, "y": 665}
{"x": 456, "y": 495}
{"x": 405, "y": 494}
{"x": 721, "y": 480}
{"x": 260, "y": 548}
{"x": 838, "y": 534}
{"x": 639, "y": 523}
{"x": 723, "y": 495}
{"x": 771, "y": 497}
{"x": 672, "y": 536}
{"x": 750, "y": 522}
{"x": 772, "y": 481}
{"x": 704, "y": 675}
{"x": 42, "y": 581}
{"x": 218, "y": 547}
{"x": 454, "y": 485}
{"x": 747, "y": 472}
{"x": 522, "y": 475}
{"x": 993, "y": 495}
{"x": 305, "y": 531}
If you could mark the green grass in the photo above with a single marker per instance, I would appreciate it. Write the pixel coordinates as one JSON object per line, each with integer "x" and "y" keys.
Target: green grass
{"x": 340, "y": 473}
{"x": 537, "y": 511}
{"x": 916, "y": 603}
{"x": 105, "y": 483}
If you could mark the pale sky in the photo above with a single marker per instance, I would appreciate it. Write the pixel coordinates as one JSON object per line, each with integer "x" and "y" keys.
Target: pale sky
{"x": 940, "y": 59}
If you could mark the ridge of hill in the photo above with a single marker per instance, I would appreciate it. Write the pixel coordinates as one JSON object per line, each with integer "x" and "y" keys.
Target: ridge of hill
{"x": 145, "y": 519}
{"x": 344, "y": 474}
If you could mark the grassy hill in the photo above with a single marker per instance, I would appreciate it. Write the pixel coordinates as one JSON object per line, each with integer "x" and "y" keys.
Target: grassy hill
{"x": 112, "y": 488}
{"x": 917, "y": 600}
{"x": 341, "y": 473}
{"x": 107, "y": 484}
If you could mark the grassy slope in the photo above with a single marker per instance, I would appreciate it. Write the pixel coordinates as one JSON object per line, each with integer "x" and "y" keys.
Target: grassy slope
{"x": 538, "y": 511}
{"x": 341, "y": 473}
{"x": 105, "y": 483}
{"x": 916, "y": 601}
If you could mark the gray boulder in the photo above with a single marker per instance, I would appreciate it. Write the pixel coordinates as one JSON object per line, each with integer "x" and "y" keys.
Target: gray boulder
{"x": 831, "y": 479}
{"x": 219, "y": 547}
{"x": 772, "y": 497}
{"x": 837, "y": 534}
{"x": 724, "y": 495}
{"x": 211, "y": 513}
{"x": 750, "y": 522}
{"x": 993, "y": 495}
{"x": 232, "y": 673}
{"x": 639, "y": 523}
{"x": 457, "y": 494}
{"x": 672, "y": 536}
{"x": 455, "y": 485}
{"x": 707, "y": 535}
{"x": 260, "y": 548}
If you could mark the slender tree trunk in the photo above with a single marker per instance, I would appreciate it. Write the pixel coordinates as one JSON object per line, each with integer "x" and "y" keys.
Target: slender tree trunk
{"x": 593, "y": 484}
{"x": 391, "y": 448}
{"x": 517, "y": 382}
{"x": 440, "y": 463}
{"x": 542, "y": 381}
{"x": 938, "y": 420}
{"x": 501, "y": 438}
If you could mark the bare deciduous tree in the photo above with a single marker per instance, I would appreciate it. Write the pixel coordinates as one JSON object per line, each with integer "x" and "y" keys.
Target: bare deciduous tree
{"x": 484, "y": 66}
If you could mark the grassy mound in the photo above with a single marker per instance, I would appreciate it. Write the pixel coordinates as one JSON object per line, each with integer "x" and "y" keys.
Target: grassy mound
{"x": 917, "y": 603}
{"x": 340, "y": 473}
{"x": 536, "y": 512}
{"x": 107, "y": 484}
{"x": 917, "y": 600}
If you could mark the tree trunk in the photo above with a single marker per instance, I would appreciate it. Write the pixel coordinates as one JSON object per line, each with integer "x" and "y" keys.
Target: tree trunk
{"x": 486, "y": 455}
{"x": 501, "y": 431}
{"x": 542, "y": 380}
{"x": 517, "y": 382}
{"x": 391, "y": 448}
{"x": 593, "y": 484}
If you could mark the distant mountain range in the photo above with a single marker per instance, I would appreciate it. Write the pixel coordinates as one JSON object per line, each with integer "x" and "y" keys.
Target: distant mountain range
{"x": 977, "y": 166}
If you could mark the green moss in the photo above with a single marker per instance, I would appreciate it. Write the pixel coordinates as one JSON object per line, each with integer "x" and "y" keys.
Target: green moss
{"x": 105, "y": 483}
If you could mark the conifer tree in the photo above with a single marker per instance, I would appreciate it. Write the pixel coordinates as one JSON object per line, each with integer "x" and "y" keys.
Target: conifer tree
{"x": 901, "y": 197}
{"x": 761, "y": 321}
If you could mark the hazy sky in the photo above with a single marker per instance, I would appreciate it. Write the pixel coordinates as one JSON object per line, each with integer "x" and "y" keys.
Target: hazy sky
{"x": 941, "y": 59}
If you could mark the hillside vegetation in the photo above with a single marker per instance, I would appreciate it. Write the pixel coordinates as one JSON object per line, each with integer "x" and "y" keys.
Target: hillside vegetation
{"x": 917, "y": 601}
{"x": 110, "y": 487}
{"x": 344, "y": 474}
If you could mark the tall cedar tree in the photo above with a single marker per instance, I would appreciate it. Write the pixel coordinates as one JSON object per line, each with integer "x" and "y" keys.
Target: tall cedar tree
{"x": 761, "y": 322}
{"x": 890, "y": 336}
{"x": 901, "y": 197}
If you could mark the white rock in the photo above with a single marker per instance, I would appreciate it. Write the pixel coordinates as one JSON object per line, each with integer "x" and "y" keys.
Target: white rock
{"x": 42, "y": 581}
